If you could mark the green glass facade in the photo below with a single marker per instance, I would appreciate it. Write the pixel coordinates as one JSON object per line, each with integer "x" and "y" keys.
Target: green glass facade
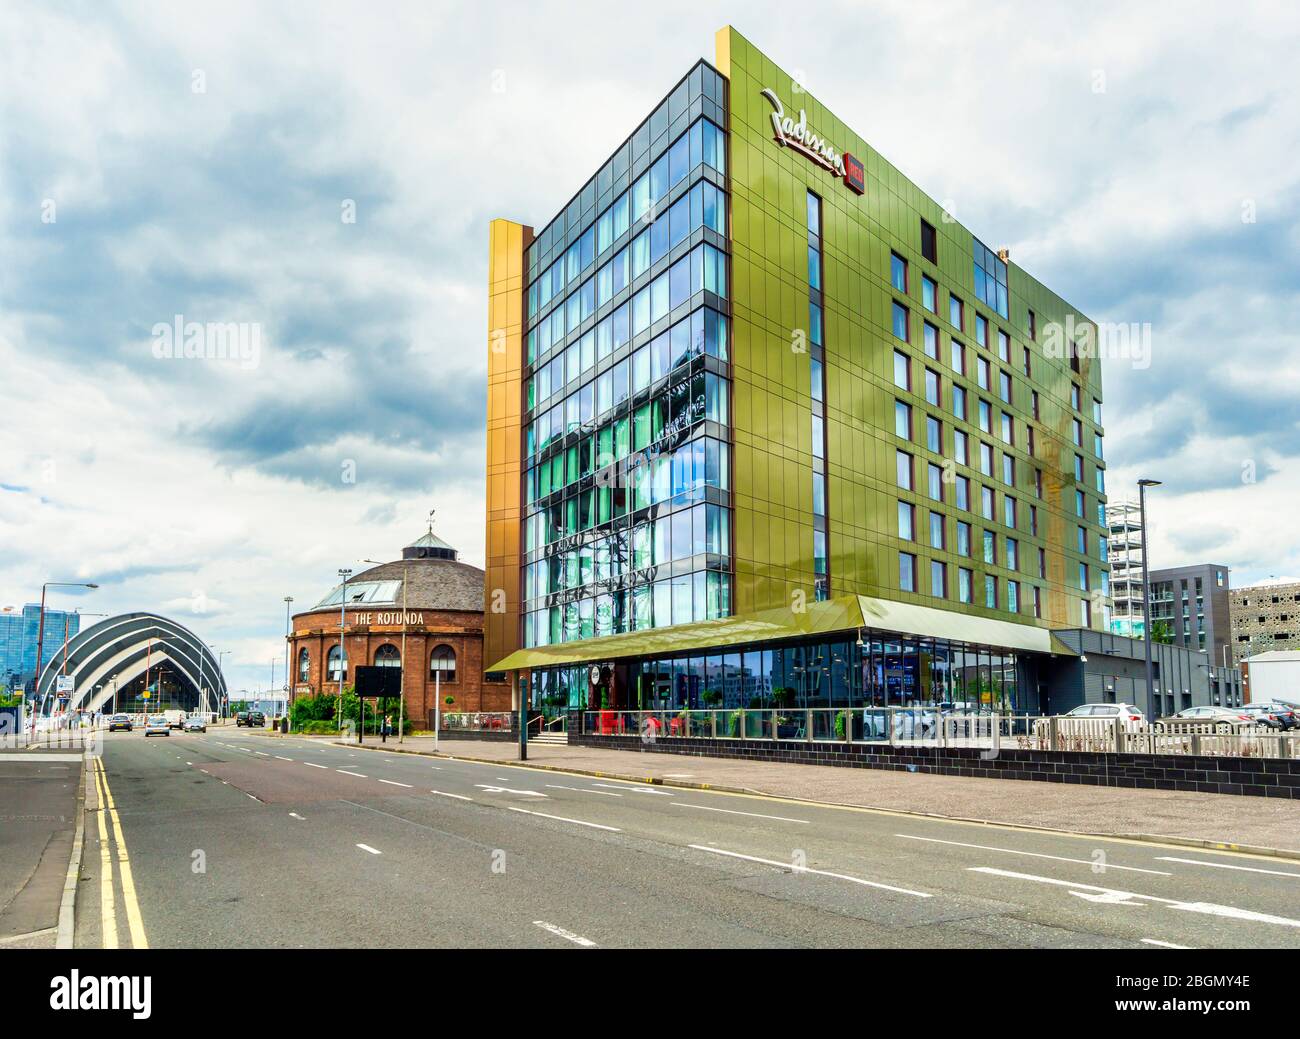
{"x": 749, "y": 385}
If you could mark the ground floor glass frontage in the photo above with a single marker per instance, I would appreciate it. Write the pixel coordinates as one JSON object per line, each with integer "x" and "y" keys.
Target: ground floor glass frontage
{"x": 879, "y": 670}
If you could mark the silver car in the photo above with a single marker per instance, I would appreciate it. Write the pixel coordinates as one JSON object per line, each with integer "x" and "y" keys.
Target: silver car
{"x": 156, "y": 725}
{"x": 195, "y": 723}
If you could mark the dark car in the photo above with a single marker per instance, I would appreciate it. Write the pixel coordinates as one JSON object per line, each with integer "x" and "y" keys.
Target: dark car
{"x": 119, "y": 721}
{"x": 241, "y": 719}
{"x": 1278, "y": 716}
{"x": 256, "y": 718}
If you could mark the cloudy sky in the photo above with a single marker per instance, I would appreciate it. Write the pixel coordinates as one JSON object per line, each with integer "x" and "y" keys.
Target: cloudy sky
{"x": 325, "y": 172}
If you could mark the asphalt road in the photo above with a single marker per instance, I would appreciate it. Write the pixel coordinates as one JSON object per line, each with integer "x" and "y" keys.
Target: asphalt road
{"x": 237, "y": 839}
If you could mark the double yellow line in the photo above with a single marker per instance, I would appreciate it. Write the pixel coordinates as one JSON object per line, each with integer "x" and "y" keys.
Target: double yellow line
{"x": 107, "y": 901}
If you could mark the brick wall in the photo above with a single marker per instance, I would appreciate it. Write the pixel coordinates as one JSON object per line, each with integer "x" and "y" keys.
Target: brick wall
{"x": 1258, "y": 777}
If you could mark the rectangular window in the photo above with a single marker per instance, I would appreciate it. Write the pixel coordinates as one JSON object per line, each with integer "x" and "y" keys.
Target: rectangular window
{"x": 963, "y": 538}
{"x": 898, "y": 272}
{"x": 929, "y": 294}
{"x": 932, "y": 387}
{"x": 929, "y": 243}
{"x": 959, "y": 401}
{"x": 903, "y": 464}
{"x": 902, "y": 371}
{"x": 990, "y": 547}
{"x": 1009, "y": 511}
{"x": 958, "y": 357}
{"x": 961, "y": 489}
{"x": 937, "y": 530}
{"x": 906, "y": 521}
{"x": 933, "y": 434}
{"x": 907, "y": 571}
{"x": 900, "y": 322}
{"x": 964, "y": 578}
{"x": 931, "y": 337}
{"x": 938, "y": 579}
{"x": 990, "y": 591}
{"x": 990, "y": 275}
{"x": 902, "y": 420}
{"x": 982, "y": 331}
{"x": 935, "y": 481}
{"x": 960, "y": 447}
{"x": 956, "y": 312}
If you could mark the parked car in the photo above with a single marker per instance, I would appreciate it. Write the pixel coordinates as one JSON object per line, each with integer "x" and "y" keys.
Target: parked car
{"x": 1132, "y": 716}
{"x": 1222, "y": 719}
{"x": 1264, "y": 715}
{"x": 119, "y": 721}
{"x": 241, "y": 719}
{"x": 157, "y": 725}
{"x": 196, "y": 723}
{"x": 1286, "y": 714}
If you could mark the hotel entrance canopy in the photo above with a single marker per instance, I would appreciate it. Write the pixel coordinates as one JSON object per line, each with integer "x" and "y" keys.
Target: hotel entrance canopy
{"x": 847, "y": 614}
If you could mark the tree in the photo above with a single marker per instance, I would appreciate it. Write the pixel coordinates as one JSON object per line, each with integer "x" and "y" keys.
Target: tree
{"x": 1162, "y": 632}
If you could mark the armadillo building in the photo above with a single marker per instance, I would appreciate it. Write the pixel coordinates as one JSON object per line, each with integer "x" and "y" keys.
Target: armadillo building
{"x": 426, "y": 608}
{"x": 765, "y": 422}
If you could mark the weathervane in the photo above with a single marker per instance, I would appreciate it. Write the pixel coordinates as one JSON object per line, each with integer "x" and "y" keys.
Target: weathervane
{"x": 431, "y": 512}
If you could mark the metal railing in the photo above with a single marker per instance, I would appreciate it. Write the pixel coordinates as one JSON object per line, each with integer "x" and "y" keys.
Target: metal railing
{"x": 929, "y": 727}
{"x": 479, "y": 721}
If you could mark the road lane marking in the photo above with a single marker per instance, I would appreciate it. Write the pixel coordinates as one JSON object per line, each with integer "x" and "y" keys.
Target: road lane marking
{"x": 254, "y": 798}
{"x": 732, "y": 811}
{"x": 133, "y": 920}
{"x": 1224, "y": 865}
{"x": 560, "y": 932}
{"x": 808, "y": 869}
{"x": 108, "y": 911}
{"x": 458, "y": 797}
{"x": 562, "y": 819}
{"x": 367, "y": 847}
{"x": 283, "y": 758}
{"x": 507, "y": 790}
{"x": 394, "y": 782}
{"x": 313, "y": 764}
{"x": 1163, "y": 945}
{"x": 636, "y": 789}
{"x": 582, "y": 790}
{"x": 1207, "y": 908}
{"x": 295, "y": 815}
{"x": 1035, "y": 854}
{"x": 262, "y": 753}
{"x": 347, "y": 773}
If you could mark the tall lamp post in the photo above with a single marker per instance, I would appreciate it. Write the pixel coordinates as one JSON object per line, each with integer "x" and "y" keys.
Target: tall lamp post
{"x": 1146, "y": 591}
{"x": 40, "y": 630}
{"x": 221, "y": 679}
{"x": 344, "y": 573}
{"x": 288, "y": 600}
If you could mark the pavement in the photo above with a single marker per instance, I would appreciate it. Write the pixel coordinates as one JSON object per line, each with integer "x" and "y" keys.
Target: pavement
{"x": 38, "y": 816}
{"x": 238, "y": 838}
{"x": 1257, "y": 824}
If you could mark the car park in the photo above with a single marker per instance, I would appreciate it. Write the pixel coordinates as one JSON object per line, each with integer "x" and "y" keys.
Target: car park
{"x": 119, "y": 721}
{"x": 157, "y": 725}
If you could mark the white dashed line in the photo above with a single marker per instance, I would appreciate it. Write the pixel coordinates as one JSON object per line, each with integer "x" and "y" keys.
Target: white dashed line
{"x": 347, "y": 773}
{"x": 458, "y": 797}
{"x": 1163, "y": 945}
{"x": 314, "y": 765}
{"x": 283, "y": 758}
{"x": 295, "y": 815}
{"x": 730, "y": 811}
{"x": 560, "y": 932}
{"x": 809, "y": 869}
{"x": 1038, "y": 855}
{"x": 390, "y": 782}
{"x": 562, "y": 819}
{"x": 1224, "y": 865}
{"x": 367, "y": 847}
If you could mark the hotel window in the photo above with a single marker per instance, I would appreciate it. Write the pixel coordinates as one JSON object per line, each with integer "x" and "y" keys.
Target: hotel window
{"x": 907, "y": 571}
{"x": 902, "y": 371}
{"x": 902, "y": 420}
{"x": 898, "y": 272}
{"x": 931, "y": 338}
{"x": 958, "y": 357}
{"x": 1097, "y": 445}
{"x": 990, "y": 591}
{"x": 1013, "y": 554}
{"x": 1026, "y": 365}
{"x": 1029, "y": 443}
{"x": 963, "y": 538}
{"x": 1033, "y": 404}
{"x": 1038, "y": 482}
{"x": 1083, "y": 576}
{"x": 1074, "y": 397}
{"x": 961, "y": 488}
{"x": 1033, "y": 326}
{"x": 929, "y": 243}
{"x": 814, "y": 215}
{"x": 937, "y": 538}
{"x": 982, "y": 373}
{"x": 814, "y": 267}
{"x": 816, "y": 378}
{"x": 1009, "y": 511}
{"x": 959, "y": 401}
{"x": 938, "y": 579}
{"x": 1080, "y": 503}
{"x": 964, "y": 584}
{"x": 935, "y": 481}
{"x": 906, "y": 521}
{"x": 959, "y": 446}
{"x": 903, "y": 466}
{"x": 1038, "y": 601}
{"x": 1008, "y": 429}
{"x": 985, "y": 416}
{"x": 1078, "y": 468}
{"x": 986, "y": 459}
{"x": 1013, "y": 596}
{"x": 932, "y": 387}
{"x": 1083, "y": 540}
{"x": 990, "y": 547}
{"x": 1008, "y": 470}
{"x": 900, "y": 322}
{"x": 1096, "y": 411}
{"x": 986, "y": 502}
{"x": 990, "y": 272}
{"x": 1077, "y": 432}
{"x": 956, "y": 312}
{"x": 1004, "y": 386}
{"x": 934, "y": 434}
{"x": 982, "y": 331}
{"x": 1042, "y": 564}
{"x": 929, "y": 294}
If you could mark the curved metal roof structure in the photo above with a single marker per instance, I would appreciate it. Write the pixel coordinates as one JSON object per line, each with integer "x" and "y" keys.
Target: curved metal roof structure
{"x": 121, "y": 647}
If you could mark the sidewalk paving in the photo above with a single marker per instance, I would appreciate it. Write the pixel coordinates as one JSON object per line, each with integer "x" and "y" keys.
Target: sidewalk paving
{"x": 1249, "y": 823}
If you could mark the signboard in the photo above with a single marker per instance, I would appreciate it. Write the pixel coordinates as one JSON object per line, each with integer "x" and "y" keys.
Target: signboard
{"x": 64, "y": 684}
{"x": 798, "y": 136}
{"x": 379, "y": 681}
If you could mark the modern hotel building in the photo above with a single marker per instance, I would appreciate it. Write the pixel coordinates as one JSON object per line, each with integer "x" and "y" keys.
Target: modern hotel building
{"x": 766, "y": 426}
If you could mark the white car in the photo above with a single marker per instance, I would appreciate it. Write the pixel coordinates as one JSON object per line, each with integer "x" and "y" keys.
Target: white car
{"x": 157, "y": 725}
{"x": 1130, "y": 714}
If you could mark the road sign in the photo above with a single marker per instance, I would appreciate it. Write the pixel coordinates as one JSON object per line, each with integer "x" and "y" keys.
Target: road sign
{"x": 64, "y": 684}
{"x": 145, "y": 695}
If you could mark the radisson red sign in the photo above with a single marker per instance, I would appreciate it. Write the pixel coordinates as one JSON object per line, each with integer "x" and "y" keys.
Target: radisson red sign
{"x": 797, "y": 136}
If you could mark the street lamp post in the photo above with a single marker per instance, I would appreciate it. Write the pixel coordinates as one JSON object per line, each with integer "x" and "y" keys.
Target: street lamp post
{"x": 1146, "y": 591}
{"x": 40, "y": 631}
{"x": 221, "y": 704}
{"x": 288, "y": 599}
{"x": 345, "y": 573}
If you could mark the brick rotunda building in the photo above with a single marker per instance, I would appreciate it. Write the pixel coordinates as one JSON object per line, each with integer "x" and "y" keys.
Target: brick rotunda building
{"x": 428, "y": 595}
